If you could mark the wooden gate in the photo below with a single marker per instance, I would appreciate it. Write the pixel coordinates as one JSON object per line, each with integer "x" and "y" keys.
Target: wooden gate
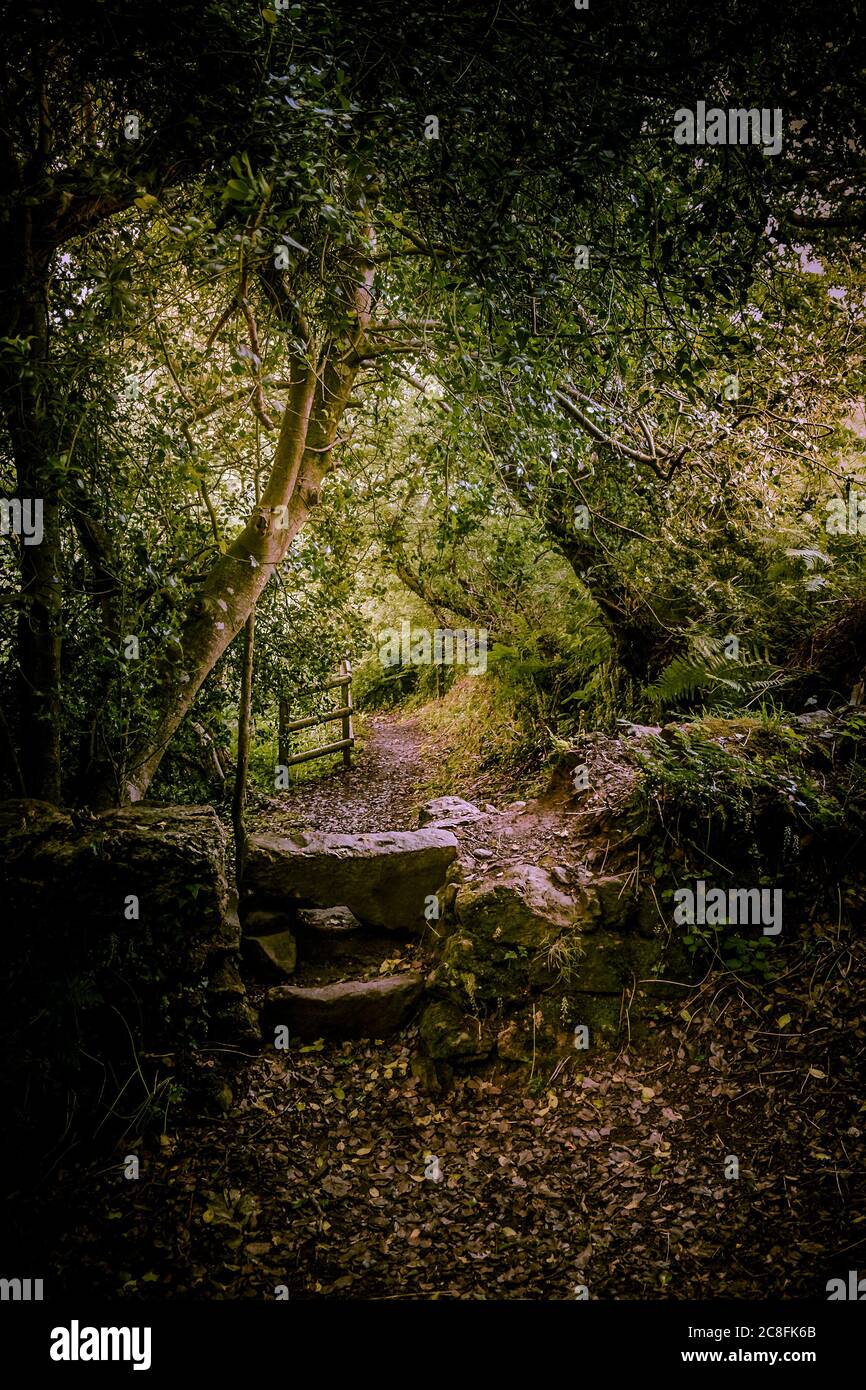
{"x": 344, "y": 713}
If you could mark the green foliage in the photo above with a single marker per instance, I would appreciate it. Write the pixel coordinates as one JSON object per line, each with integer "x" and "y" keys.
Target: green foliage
{"x": 740, "y": 806}
{"x": 717, "y": 947}
{"x": 747, "y": 802}
{"x": 507, "y": 387}
{"x": 725, "y": 684}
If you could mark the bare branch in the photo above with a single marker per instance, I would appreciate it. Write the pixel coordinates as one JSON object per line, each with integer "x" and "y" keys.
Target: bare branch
{"x": 668, "y": 455}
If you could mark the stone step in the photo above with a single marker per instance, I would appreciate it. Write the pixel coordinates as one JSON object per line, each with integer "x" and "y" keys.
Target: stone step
{"x": 352, "y": 956}
{"x": 385, "y": 879}
{"x": 348, "y": 1009}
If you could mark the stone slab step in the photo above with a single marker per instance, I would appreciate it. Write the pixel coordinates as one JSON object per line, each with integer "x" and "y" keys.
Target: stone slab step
{"x": 385, "y": 879}
{"x": 349, "y": 1009}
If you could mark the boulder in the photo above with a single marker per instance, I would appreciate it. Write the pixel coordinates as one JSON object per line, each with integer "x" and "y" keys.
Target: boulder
{"x": 384, "y": 879}
{"x": 446, "y": 812}
{"x": 524, "y": 907}
{"x": 270, "y": 958}
{"x": 350, "y": 1009}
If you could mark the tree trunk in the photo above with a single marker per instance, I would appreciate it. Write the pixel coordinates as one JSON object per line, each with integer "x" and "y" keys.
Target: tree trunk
{"x": 227, "y": 596}
{"x": 10, "y": 758}
{"x": 232, "y": 589}
{"x": 640, "y": 644}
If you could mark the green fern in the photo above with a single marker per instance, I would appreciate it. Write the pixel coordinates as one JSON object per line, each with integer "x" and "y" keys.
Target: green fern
{"x": 707, "y": 671}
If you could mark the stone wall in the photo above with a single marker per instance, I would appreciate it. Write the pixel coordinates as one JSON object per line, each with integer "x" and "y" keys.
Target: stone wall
{"x": 522, "y": 963}
{"x": 120, "y": 953}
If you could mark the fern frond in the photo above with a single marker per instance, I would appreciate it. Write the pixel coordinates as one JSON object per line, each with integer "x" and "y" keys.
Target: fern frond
{"x": 707, "y": 671}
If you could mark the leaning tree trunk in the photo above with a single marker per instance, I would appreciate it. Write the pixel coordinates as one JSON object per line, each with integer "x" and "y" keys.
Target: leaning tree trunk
{"x": 640, "y": 645}
{"x": 321, "y": 385}
{"x": 230, "y": 592}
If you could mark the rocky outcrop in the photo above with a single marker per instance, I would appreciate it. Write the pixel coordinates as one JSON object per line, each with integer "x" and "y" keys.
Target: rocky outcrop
{"x": 349, "y": 1009}
{"x": 522, "y": 944}
{"x": 384, "y": 879}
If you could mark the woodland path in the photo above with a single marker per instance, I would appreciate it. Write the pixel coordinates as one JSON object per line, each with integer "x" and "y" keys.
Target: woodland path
{"x": 381, "y": 791}
{"x": 608, "y": 1175}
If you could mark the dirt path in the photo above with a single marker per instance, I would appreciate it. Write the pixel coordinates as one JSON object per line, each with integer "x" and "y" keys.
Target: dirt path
{"x": 385, "y": 788}
{"x": 381, "y": 791}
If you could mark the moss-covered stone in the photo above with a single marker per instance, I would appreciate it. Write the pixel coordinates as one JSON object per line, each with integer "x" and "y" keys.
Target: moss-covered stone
{"x": 650, "y": 913}
{"x": 712, "y": 727}
{"x": 617, "y": 900}
{"x": 604, "y": 967}
{"x": 522, "y": 908}
{"x": 644, "y": 956}
{"x": 449, "y": 1035}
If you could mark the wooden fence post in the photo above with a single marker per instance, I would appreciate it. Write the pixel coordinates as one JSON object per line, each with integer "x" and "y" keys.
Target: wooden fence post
{"x": 283, "y": 734}
{"x": 348, "y": 730}
{"x": 344, "y": 713}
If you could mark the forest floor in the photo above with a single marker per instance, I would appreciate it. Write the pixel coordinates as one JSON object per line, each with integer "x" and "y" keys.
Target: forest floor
{"x": 607, "y": 1172}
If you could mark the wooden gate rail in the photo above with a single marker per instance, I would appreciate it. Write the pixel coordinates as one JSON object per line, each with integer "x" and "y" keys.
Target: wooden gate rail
{"x": 344, "y": 714}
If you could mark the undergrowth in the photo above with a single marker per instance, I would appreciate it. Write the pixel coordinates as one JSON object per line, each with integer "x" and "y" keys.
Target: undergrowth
{"x": 748, "y": 803}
